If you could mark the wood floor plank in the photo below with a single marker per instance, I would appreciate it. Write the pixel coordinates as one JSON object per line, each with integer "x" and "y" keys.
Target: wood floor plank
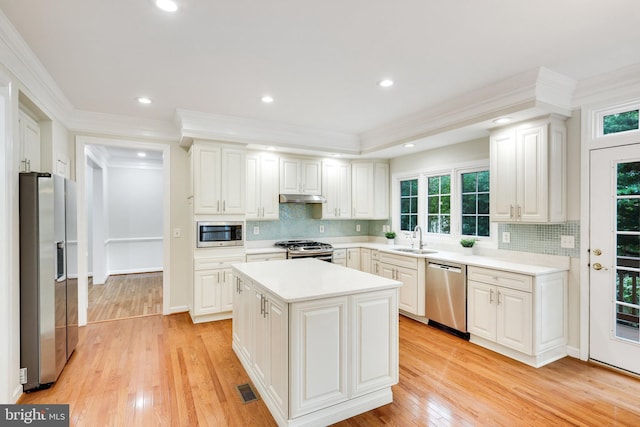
{"x": 166, "y": 371}
{"x": 125, "y": 295}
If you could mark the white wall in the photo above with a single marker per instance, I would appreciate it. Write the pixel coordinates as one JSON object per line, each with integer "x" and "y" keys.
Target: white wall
{"x": 133, "y": 205}
{"x": 469, "y": 151}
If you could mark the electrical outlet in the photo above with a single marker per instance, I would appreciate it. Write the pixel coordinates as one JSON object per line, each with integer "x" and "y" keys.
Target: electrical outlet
{"x": 256, "y": 230}
{"x": 177, "y": 232}
{"x": 506, "y": 237}
{"x": 322, "y": 228}
{"x": 568, "y": 242}
{"x": 358, "y": 228}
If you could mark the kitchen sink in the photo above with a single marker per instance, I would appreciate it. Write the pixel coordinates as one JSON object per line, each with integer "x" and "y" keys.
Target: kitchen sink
{"x": 416, "y": 251}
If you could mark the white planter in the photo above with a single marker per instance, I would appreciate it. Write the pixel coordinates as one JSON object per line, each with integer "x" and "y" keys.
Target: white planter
{"x": 467, "y": 251}
{"x": 391, "y": 242}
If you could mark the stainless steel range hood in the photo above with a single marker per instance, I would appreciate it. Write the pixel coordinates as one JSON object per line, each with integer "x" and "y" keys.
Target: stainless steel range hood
{"x": 301, "y": 198}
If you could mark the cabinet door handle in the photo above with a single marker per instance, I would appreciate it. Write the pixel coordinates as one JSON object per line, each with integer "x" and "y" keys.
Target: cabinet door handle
{"x": 510, "y": 211}
{"x": 218, "y": 206}
{"x": 224, "y": 205}
{"x": 490, "y": 296}
{"x": 519, "y": 212}
{"x": 265, "y": 308}
{"x": 261, "y": 305}
{"x": 499, "y": 293}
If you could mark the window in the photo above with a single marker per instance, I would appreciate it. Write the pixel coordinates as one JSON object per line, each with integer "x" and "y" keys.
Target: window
{"x": 439, "y": 204}
{"x": 620, "y": 122}
{"x": 475, "y": 203}
{"x": 408, "y": 204}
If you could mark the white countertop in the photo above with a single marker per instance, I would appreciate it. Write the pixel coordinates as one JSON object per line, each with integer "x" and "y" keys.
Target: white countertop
{"x": 511, "y": 265}
{"x": 308, "y": 279}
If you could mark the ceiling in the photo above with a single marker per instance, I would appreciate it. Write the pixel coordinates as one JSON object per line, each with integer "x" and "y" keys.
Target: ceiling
{"x": 321, "y": 61}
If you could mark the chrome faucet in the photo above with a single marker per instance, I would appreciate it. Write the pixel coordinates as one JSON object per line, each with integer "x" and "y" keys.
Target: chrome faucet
{"x": 414, "y": 235}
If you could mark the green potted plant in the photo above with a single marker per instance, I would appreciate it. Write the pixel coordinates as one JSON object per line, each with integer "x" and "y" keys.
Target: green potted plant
{"x": 467, "y": 245}
{"x": 390, "y": 235}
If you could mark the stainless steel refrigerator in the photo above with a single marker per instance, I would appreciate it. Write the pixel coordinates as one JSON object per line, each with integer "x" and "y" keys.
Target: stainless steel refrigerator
{"x": 48, "y": 277}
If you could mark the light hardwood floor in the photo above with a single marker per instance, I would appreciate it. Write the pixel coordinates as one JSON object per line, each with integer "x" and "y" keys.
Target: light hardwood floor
{"x": 166, "y": 371}
{"x": 126, "y": 295}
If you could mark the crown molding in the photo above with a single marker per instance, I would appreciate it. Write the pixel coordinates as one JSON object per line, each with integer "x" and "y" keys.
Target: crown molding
{"x": 619, "y": 84}
{"x": 197, "y": 125}
{"x": 539, "y": 91}
{"x": 123, "y": 126}
{"x": 35, "y": 82}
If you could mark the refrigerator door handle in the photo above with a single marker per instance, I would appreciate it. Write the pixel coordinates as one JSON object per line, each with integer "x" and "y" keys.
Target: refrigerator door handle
{"x": 60, "y": 264}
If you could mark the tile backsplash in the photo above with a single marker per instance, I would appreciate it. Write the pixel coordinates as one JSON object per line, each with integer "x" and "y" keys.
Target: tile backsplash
{"x": 541, "y": 238}
{"x": 297, "y": 222}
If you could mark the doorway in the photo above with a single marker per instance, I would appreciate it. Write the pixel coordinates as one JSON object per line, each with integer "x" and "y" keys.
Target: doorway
{"x": 127, "y": 248}
{"x": 614, "y": 258}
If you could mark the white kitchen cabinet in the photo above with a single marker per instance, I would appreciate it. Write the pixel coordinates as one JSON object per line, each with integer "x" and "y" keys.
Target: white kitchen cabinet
{"x": 319, "y": 340}
{"x": 242, "y": 318}
{"x": 528, "y": 173}
{"x": 213, "y": 288}
{"x": 373, "y": 314}
{"x": 336, "y": 188}
{"x": 263, "y": 186}
{"x": 370, "y": 189}
{"x": 300, "y": 176}
{"x": 375, "y": 262}
{"x": 365, "y": 260}
{"x": 411, "y": 272}
{"x": 353, "y": 258}
{"x": 270, "y": 333}
{"x": 521, "y": 316}
{"x": 29, "y": 143}
{"x": 218, "y": 178}
{"x": 340, "y": 257}
{"x": 270, "y": 256}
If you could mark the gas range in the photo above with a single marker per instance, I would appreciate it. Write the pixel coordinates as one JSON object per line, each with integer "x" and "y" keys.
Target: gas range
{"x": 307, "y": 249}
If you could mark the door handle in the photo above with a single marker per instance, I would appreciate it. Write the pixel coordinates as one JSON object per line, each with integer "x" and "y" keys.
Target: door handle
{"x": 597, "y": 266}
{"x": 597, "y": 252}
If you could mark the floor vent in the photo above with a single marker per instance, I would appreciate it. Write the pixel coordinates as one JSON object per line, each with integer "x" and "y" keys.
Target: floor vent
{"x": 247, "y": 394}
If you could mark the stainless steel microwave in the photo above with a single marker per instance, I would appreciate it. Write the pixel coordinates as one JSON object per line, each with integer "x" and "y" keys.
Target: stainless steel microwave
{"x": 214, "y": 233}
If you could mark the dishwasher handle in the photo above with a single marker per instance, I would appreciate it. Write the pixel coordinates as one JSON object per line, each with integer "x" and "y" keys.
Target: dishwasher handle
{"x": 449, "y": 268}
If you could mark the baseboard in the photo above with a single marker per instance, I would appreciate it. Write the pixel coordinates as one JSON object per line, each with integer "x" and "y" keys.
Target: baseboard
{"x": 17, "y": 393}
{"x": 573, "y": 352}
{"x": 135, "y": 271}
{"x": 178, "y": 309}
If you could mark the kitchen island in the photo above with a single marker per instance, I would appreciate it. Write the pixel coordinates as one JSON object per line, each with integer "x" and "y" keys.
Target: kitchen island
{"x": 319, "y": 341}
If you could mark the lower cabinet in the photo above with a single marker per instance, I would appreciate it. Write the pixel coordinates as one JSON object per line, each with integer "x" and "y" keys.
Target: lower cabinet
{"x": 365, "y": 260}
{"x": 411, "y": 272}
{"x": 268, "y": 256}
{"x": 309, "y": 356}
{"x": 521, "y": 316}
{"x": 213, "y": 288}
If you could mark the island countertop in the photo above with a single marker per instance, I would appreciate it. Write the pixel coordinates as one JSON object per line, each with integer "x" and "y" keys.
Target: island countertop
{"x": 308, "y": 279}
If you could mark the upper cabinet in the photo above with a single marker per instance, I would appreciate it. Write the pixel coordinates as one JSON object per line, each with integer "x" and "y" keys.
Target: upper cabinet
{"x": 218, "y": 178}
{"x": 370, "y": 189}
{"x": 29, "y": 130}
{"x": 336, "y": 188}
{"x": 528, "y": 172}
{"x": 262, "y": 186}
{"x": 300, "y": 176}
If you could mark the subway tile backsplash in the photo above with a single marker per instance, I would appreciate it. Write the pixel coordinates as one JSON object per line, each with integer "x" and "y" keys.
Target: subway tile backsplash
{"x": 541, "y": 238}
{"x": 297, "y": 222}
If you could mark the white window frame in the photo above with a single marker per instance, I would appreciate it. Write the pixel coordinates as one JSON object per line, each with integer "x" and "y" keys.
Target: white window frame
{"x": 455, "y": 171}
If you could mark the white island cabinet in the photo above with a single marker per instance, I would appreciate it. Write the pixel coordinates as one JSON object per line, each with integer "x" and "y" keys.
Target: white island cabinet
{"x": 319, "y": 341}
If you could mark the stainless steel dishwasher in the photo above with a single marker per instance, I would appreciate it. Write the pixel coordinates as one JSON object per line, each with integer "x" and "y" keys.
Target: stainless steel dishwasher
{"x": 446, "y": 296}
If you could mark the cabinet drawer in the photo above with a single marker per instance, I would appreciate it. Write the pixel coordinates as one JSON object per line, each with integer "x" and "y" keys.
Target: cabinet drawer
{"x": 218, "y": 262}
{"x": 339, "y": 253}
{"x": 506, "y": 279}
{"x": 400, "y": 260}
{"x": 266, "y": 257}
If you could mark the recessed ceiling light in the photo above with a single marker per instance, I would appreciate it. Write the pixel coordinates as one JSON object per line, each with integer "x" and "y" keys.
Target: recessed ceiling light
{"x": 167, "y": 5}
{"x": 141, "y": 154}
{"x": 502, "y": 120}
{"x": 385, "y": 83}
{"x": 143, "y": 100}
{"x": 409, "y": 145}
{"x": 267, "y": 99}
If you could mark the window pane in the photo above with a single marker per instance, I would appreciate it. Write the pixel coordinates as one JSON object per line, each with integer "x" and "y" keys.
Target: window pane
{"x": 433, "y": 224}
{"x": 434, "y": 185}
{"x": 483, "y": 204}
{"x": 405, "y": 206}
{"x": 445, "y": 204}
{"x": 445, "y": 224}
{"x": 628, "y": 246}
{"x": 414, "y": 187}
{"x": 445, "y": 183}
{"x": 483, "y": 226}
{"x": 404, "y": 222}
{"x": 408, "y": 204}
{"x": 620, "y": 122}
{"x": 469, "y": 225}
{"x": 434, "y": 204}
{"x": 628, "y": 178}
{"x": 628, "y": 214}
{"x": 414, "y": 205}
{"x": 405, "y": 188}
{"x": 483, "y": 181}
{"x": 468, "y": 182}
{"x": 469, "y": 203}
